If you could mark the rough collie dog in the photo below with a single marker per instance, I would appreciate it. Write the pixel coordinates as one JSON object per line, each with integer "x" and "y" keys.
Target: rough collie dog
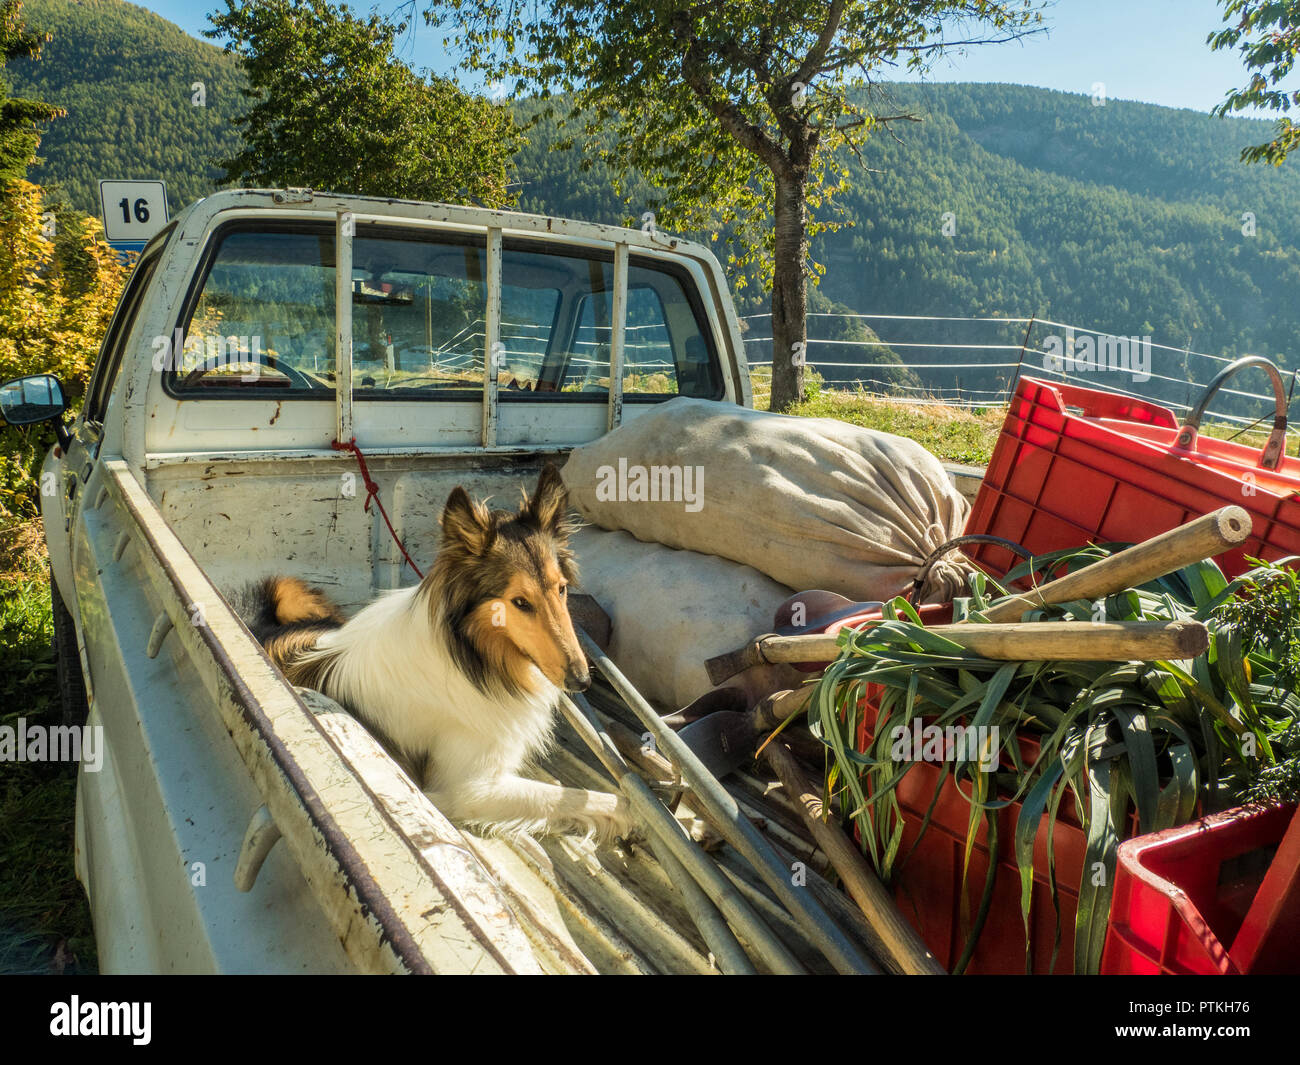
{"x": 461, "y": 674}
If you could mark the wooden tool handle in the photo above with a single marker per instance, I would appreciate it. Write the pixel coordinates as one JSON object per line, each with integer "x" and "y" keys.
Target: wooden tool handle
{"x": 722, "y": 668}
{"x": 1199, "y": 539}
{"x": 1071, "y": 641}
{"x": 775, "y": 709}
{"x": 895, "y": 939}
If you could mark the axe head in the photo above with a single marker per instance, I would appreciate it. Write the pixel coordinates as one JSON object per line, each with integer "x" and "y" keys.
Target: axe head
{"x": 723, "y": 741}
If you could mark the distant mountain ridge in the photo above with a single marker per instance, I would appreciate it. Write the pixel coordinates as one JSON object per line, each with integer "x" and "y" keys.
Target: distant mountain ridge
{"x": 1130, "y": 218}
{"x": 129, "y": 81}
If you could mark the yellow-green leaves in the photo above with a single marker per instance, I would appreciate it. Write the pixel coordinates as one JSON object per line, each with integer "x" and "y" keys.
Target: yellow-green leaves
{"x": 1267, "y": 34}
{"x": 57, "y": 293}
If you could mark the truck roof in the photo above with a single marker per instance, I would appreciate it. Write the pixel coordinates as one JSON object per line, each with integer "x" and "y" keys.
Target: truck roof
{"x": 312, "y": 202}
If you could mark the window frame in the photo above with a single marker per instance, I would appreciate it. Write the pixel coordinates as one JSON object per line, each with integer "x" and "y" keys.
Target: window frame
{"x": 677, "y": 271}
{"x": 367, "y": 229}
{"x": 189, "y": 304}
{"x": 99, "y": 390}
{"x": 634, "y": 396}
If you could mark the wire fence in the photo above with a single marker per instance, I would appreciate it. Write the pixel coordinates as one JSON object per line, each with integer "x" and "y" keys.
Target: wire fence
{"x": 526, "y": 345}
{"x": 975, "y": 362}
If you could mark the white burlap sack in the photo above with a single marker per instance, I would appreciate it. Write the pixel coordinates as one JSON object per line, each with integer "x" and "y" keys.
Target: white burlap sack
{"x": 672, "y": 610}
{"x": 810, "y": 502}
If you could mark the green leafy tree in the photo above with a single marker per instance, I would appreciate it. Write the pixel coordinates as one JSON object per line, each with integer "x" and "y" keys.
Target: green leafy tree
{"x": 59, "y": 285}
{"x": 20, "y": 120}
{"x": 735, "y": 109}
{"x": 1267, "y": 34}
{"x": 333, "y": 108}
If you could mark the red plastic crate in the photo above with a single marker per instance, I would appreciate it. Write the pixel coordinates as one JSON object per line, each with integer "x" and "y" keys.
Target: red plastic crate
{"x": 1218, "y": 896}
{"x": 928, "y": 881}
{"x": 1180, "y": 895}
{"x": 928, "y": 874}
{"x": 1074, "y": 465}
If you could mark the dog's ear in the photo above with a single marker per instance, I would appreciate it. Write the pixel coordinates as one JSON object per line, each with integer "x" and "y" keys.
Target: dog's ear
{"x": 467, "y": 522}
{"x": 549, "y": 502}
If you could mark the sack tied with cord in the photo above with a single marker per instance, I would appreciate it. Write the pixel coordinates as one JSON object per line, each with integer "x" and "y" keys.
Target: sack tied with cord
{"x": 810, "y": 502}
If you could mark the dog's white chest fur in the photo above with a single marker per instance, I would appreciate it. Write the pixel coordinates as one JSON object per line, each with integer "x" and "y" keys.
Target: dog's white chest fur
{"x": 397, "y": 673}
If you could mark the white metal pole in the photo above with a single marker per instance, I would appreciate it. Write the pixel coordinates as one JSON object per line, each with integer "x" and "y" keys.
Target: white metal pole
{"x": 344, "y": 230}
{"x": 493, "y": 349}
{"x": 618, "y": 332}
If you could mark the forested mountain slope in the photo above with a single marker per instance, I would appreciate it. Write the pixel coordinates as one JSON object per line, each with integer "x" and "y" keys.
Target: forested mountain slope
{"x": 1129, "y": 218}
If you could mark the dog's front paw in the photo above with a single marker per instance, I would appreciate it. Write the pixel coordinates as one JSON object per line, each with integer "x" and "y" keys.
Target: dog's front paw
{"x": 613, "y": 823}
{"x": 626, "y": 828}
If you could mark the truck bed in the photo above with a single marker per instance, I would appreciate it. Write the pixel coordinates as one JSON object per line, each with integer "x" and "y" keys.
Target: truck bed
{"x": 368, "y": 875}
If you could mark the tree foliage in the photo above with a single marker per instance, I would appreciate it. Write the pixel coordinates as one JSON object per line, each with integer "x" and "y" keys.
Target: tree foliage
{"x": 20, "y": 119}
{"x": 59, "y": 282}
{"x": 333, "y": 108}
{"x": 735, "y": 111}
{"x": 59, "y": 285}
{"x": 143, "y": 100}
{"x": 1131, "y": 218}
{"x": 1267, "y": 34}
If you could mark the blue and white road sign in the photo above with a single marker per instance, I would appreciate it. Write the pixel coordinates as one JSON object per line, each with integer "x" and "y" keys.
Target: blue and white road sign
{"x": 133, "y": 211}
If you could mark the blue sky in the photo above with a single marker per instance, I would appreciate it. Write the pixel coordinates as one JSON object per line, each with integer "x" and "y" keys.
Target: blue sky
{"x": 1150, "y": 50}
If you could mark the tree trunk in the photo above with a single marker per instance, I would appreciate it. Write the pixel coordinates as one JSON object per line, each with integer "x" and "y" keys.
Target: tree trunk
{"x": 789, "y": 290}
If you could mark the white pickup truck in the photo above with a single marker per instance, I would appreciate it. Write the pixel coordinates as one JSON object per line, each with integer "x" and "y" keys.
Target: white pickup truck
{"x": 456, "y": 346}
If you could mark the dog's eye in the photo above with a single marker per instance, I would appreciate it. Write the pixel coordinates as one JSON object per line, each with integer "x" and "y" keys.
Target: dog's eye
{"x": 522, "y": 604}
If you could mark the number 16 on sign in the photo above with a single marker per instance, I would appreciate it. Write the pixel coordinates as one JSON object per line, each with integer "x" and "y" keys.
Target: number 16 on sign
{"x": 133, "y": 211}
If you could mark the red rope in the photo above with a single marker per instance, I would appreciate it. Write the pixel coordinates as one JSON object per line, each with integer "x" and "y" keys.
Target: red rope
{"x": 372, "y": 493}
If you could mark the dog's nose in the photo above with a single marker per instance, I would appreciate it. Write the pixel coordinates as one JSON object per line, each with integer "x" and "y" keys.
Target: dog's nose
{"x": 578, "y": 682}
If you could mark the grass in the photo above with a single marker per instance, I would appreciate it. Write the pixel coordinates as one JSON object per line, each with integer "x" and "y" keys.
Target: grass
{"x": 953, "y": 434}
{"x": 44, "y": 917}
{"x": 1250, "y": 437}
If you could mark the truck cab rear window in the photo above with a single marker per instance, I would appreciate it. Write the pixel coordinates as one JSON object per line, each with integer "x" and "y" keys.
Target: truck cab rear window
{"x": 263, "y": 320}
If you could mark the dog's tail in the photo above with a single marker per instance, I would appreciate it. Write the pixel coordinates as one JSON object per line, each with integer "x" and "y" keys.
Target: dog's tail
{"x": 286, "y": 615}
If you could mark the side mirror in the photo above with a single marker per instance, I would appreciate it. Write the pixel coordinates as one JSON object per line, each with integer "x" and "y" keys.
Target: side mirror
{"x": 30, "y": 400}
